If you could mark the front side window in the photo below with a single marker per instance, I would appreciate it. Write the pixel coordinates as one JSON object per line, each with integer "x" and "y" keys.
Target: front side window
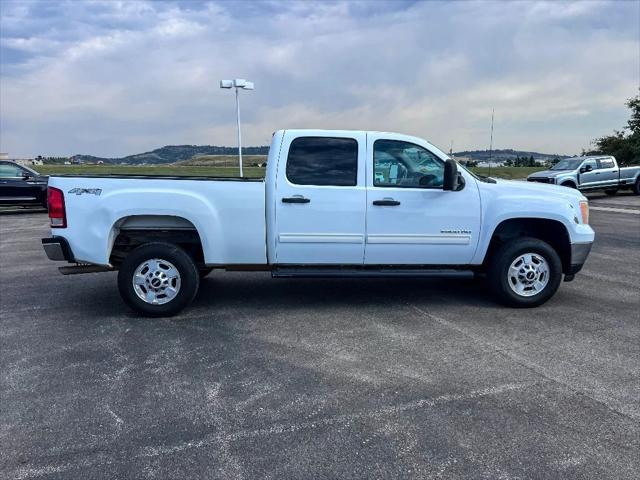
{"x": 593, "y": 164}
{"x": 10, "y": 171}
{"x": 323, "y": 161}
{"x": 403, "y": 164}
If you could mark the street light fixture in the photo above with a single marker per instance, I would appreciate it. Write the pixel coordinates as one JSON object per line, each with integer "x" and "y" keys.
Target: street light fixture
{"x": 238, "y": 83}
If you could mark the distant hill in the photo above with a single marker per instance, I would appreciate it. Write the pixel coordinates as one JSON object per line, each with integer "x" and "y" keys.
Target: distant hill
{"x": 502, "y": 155}
{"x": 172, "y": 154}
{"x": 188, "y": 154}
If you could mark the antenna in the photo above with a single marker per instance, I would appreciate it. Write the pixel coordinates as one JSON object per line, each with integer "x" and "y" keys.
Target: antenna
{"x": 491, "y": 140}
{"x": 451, "y": 149}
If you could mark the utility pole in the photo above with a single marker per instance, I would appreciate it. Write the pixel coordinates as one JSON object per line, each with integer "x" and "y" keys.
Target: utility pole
{"x": 491, "y": 140}
{"x": 239, "y": 131}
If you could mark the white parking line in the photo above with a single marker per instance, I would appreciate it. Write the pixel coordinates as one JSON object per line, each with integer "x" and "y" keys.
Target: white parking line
{"x": 615, "y": 210}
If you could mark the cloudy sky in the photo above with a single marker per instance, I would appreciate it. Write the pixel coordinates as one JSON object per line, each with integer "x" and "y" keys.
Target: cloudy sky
{"x": 112, "y": 78}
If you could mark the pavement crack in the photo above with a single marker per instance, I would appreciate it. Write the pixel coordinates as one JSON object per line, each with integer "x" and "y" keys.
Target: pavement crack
{"x": 345, "y": 419}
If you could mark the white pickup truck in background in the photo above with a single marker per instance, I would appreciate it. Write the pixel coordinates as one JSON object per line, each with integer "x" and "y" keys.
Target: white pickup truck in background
{"x": 333, "y": 203}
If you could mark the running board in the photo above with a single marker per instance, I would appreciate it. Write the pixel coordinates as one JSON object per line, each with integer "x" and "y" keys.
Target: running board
{"x": 364, "y": 273}
{"x": 77, "y": 269}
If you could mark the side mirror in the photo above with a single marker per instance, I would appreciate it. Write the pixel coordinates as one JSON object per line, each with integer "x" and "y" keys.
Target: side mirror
{"x": 586, "y": 168}
{"x": 26, "y": 175}
{"x": 450, "y": 181}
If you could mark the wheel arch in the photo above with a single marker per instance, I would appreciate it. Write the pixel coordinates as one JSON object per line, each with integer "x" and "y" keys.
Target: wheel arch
{"x": 131, "y": 231}
{"x": 551, "y": 231}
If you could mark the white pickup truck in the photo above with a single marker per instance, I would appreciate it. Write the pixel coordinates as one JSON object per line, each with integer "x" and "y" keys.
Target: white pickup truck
{"x": 332, "y": 204}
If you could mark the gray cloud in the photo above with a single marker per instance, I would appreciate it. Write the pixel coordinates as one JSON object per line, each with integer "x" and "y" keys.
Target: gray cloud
{"x": 114, "y": 78}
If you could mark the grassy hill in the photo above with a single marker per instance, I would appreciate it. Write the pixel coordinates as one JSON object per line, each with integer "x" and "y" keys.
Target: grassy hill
{"x": 172, "y": 154}
{"x": 505, "y": 154}
{"x": 222, "y": 161}
{"x": 213, "y": 170}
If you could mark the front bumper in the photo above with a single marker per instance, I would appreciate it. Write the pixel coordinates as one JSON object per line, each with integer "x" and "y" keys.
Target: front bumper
{"x": 57, "y": 249}
{"x": 579, "y": 254}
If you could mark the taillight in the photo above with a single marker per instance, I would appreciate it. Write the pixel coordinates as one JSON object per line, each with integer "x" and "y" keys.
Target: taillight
{"x": 55, "y": 203}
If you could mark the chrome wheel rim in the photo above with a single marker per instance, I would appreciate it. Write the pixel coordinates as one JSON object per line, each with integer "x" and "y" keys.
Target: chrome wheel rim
{"x": 528, "y": 274}
{"x": 156, "y": 281}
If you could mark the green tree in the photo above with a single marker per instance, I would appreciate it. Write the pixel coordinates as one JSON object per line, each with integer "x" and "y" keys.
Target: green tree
{"x": 622, "y": 145}
{"x": 552, "y": 162}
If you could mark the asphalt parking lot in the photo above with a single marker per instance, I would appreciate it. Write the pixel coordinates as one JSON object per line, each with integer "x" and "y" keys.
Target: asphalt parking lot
{"x": 265, "y": 378}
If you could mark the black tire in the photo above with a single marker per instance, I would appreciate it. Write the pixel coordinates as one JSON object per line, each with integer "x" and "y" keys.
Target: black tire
{"x": 188, "y": 277}
{"x": 498, "y": 272}
{"x": 636, "y": 187}
{"x": 203, "y": 272}
{"x": 611, "y": 192}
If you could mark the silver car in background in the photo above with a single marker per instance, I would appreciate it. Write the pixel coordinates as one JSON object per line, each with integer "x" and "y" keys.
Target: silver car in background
{"x": 590, "y": 174}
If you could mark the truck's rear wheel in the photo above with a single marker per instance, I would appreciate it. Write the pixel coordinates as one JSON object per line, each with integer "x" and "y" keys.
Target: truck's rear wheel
{"x": 636, "y": 187}
{"x": 158, "y": 279}
{"x": 525, "y": 272}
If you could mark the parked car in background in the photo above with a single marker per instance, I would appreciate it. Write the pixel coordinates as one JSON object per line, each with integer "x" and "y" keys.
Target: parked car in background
{"x": 332, "y": 204}
{"x": 591, "y": 173}
{"x": 21, "y": 185}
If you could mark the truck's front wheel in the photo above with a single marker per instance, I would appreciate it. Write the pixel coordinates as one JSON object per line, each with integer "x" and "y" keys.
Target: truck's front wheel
{"x": 525, "y": 272}
{"x": 158, "y": 279}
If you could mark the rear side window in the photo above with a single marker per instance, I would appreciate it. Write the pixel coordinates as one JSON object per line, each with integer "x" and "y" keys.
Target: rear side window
{"x": 606, "y": 163}
{"x": 323, "y": 161}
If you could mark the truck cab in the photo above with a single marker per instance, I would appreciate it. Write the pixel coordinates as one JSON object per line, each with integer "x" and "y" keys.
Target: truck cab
{"x": 332, "y": 203}
{"x": 360, "y": 199}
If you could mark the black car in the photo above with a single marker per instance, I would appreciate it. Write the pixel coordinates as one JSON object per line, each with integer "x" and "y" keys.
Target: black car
{"x": 21, "y": 186}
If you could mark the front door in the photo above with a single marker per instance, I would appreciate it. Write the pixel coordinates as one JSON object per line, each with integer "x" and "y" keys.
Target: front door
{"x": 321, "y": 199}
{"x": 589, "y": 179}
{"x": 411, "y": 220}
{"x": 14, "y": 187}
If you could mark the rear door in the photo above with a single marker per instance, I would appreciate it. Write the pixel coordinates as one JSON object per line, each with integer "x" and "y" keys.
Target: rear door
{"x": 321, "y": 198}
{"x": 607, "y": 172}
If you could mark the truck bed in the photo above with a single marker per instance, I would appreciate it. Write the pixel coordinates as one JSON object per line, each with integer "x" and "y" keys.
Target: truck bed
{"x": 228, "y": 213}
{"x": 628, "y": 175}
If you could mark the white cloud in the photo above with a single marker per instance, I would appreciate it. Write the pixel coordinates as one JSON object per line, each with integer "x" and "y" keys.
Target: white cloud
{"x": 114, "y": 78}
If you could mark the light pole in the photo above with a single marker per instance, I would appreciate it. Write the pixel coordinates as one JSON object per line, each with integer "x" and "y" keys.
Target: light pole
{"x": 244, "y": 85}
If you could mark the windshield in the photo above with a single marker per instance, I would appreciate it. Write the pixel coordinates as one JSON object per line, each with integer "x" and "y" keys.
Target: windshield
{"x": 568, "y": 164}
